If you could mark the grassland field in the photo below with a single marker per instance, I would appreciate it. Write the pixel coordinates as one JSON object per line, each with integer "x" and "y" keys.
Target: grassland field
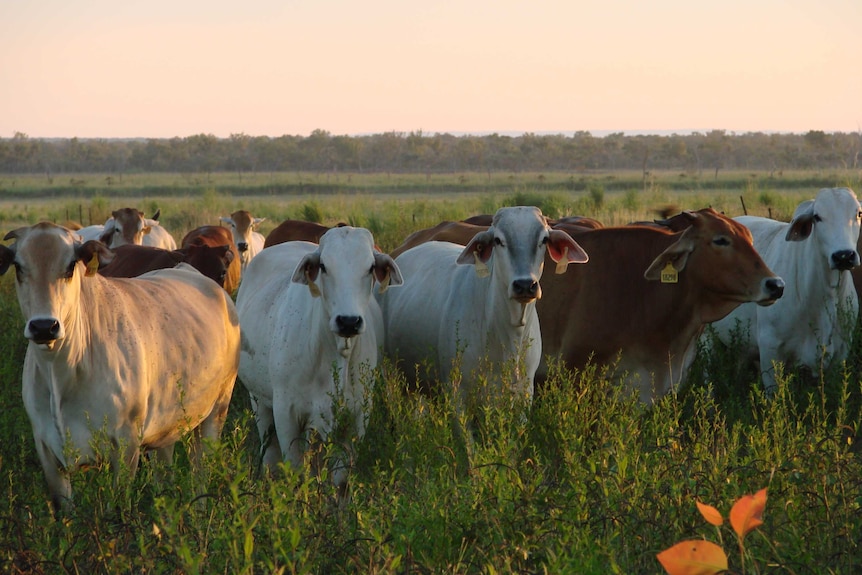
{"x": 585, "y": 480}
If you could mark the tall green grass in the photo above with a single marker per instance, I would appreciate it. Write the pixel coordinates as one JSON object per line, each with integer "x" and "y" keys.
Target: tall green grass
{"x": 585, "y": 480}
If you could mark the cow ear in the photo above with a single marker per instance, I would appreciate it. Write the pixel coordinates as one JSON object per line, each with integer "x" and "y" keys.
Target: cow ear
{"x": 94, "y": 254}
{"x": 478, "y": 252}
{"x": 564, "y": 250}
{"x": 7, "y": 256}
{"x": 146, "y": 229}
{"x": 802, "y": 224}
{"x": 306, "y": 272}
{"x": 386, "y": 272}
{"x": 225, "y": 220}
{"x": 226, "y": 254}
{"x": 257, "y": 222}
{"x": 676, "y": 255}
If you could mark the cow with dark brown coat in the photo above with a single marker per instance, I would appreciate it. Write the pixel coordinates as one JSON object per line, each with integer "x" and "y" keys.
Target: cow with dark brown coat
{"x": 215, "y": 237}
{"x": 296, "y": 230}
{"x": 130, "y": 260}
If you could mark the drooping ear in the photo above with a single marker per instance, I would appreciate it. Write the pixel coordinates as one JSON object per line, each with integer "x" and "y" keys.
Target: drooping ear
{"x": 386, "y": 272}
{"x": 306, "y": 272}
{"x": 564, "y": 250}
{"x": 94, "y": 254}
{"x": 676, "y": 255}
{"x": 7, "y": 256}
{"x": 479, "y": 248}
{"x": 802, "y": 223}
{"x": 225, "y": 254}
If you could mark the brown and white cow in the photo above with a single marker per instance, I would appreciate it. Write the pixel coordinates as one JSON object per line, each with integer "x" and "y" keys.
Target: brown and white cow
{"x": 249, "y": 242}
{"x": 647, "y": 293}
{"x": 135, "y": 363}
{"x": 129, "y": 226}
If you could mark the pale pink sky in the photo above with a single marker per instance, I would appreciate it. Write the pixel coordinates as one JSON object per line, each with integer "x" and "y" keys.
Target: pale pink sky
{"x": 164, "y": 68}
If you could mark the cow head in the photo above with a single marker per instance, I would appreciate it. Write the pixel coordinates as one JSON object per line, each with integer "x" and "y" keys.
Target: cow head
{"x": 126, "y": 226}
{"x": 342, "y": 272}
{"x": 211, "y": 261}
{"x": 242, "y": 224}
{"x": 719, "y": 252}
{"x": 49, "y": 263}
{"x": 518, "y": 239}
{"x": 831, "y": 220}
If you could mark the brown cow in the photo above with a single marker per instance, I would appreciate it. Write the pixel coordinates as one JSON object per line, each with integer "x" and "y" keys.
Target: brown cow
{"x": 297, "y": 230}
{"x": 215, "y": 236}
{"x": 456, "y": 232}
{"x": 130, "y": 260}
{"x": 645, "y": 296}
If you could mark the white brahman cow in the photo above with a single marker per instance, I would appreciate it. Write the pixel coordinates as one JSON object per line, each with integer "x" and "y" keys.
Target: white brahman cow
{"x": 474, "y": 307}
{"x": 129, "y": 226}
{"x": 311, "y": 329}
{"x": 138, "y": 362}
{"x": 248, "y": 241}
{"x": 814, "y": 254}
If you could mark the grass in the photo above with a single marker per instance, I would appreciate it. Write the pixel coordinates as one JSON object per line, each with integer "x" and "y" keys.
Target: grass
{"x": 586, "y": 480}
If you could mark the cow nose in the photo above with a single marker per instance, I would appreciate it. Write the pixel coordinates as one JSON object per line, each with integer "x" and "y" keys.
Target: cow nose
{"x": 348, "y": 325}
{"x": 525, "y": 288}
{"x": 845, "y": 259}
{"x": 43, "y": 330}
{"x": 775, "y": 288}
{"x": 242, "y": 246}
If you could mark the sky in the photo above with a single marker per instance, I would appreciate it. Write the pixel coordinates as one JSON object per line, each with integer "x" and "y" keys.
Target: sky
{"x": 175, "y": 68}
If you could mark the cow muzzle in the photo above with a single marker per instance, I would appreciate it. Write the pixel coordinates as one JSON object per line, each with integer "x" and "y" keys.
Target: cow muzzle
{"x": 774, "y": 289}
{"x": 242, "y": 247}
{"x": 525, "y": 290}
{"x": 844, "y": 260}
{"x": 348, "y": 325}
{"x": 43, "y": 330}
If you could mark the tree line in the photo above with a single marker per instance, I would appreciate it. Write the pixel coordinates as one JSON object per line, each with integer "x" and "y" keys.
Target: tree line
{"x": 417, "y": 152}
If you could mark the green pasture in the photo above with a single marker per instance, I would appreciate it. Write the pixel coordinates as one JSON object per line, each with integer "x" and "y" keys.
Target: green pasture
{"x": 586, "y": 480}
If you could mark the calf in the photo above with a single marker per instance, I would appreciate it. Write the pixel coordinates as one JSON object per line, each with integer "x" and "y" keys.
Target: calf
{"x": 815, "y": 318}
{"x": 475, "y": 303}
{"x": 311, "y": 330}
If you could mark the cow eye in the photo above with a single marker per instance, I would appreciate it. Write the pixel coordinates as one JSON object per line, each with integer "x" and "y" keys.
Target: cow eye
{"x": 545, "y": 240}
{"x": 721, "y": 241}
{"x": 322, "y": 268}
{"x": 19, "y": 275}
{"x": 498, "y": 241}
{"x": 817, "y": 218}
{"x": 859, "y": 215}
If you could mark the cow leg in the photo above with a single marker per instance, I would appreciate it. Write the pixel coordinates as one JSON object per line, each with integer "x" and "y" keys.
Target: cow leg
{"x": 56, "y": 476}
{"x": 270, "y": 449}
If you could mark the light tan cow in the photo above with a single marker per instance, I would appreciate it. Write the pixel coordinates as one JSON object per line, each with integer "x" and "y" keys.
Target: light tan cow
{"x": 129, "y": 226}
{"x": 138, "y": 362}
{"x": 249, "y": 242}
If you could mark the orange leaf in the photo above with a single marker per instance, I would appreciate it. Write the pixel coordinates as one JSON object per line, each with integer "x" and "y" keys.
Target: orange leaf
{"x": 693, "y": 557}
{"x": 746, "y": 514}
{"x": 710, "y": 513}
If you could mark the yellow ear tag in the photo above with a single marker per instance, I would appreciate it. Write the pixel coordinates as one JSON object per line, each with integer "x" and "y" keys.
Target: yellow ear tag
{"x": 481, "y": 268}
{"x": 312, "y": 287}
{"x": 563, "y": 264}
{"x": 669, "y": 275}
{"x": 384, "y": 285}
{"x": 92, "y": 266}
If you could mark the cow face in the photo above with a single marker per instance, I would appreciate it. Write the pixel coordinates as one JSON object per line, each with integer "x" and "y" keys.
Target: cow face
{"x": 518, "y": 239}
{"x": 718, "y": 254}
{"x": 242, "y": 224}
{"x": 125, "y": 226}
{"x": 831, "y": 220}
{"x": 342, "y": 273}
{"x": 48, "y": 277}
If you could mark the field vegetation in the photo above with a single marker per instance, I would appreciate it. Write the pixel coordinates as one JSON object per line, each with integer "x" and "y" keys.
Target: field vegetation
{"x": 585, "y": 480}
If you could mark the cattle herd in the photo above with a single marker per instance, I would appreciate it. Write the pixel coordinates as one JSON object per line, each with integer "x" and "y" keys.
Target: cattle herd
{"x": 141, "y": 341}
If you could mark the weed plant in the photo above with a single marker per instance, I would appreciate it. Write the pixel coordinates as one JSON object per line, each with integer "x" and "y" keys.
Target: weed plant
{"x": 583, "y": 480}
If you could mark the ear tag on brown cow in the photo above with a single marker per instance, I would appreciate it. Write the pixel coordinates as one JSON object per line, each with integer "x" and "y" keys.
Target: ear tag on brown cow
{"x": 563, "y": 263}
{"x": 481, "y": 268}
{"x": 669, "y": 275}
{"x": 92, "y": 266}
